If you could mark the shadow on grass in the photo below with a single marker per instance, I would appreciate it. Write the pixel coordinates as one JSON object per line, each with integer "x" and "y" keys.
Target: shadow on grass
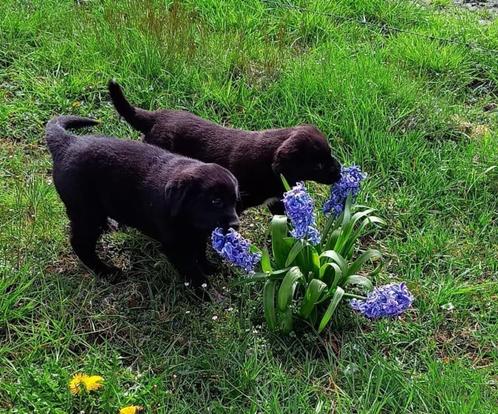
{"x": 151, "y": 313}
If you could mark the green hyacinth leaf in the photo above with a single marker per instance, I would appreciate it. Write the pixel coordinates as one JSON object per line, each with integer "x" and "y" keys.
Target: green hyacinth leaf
{"x": 336, "y": 298}
{"x": 269, "y": 304}
{"x": 285, "y": 183}
{"x": 337, "y": 258}
{"x": 346, "y": 214}
{"x": 336, "y": 275}
{"x": 286, "y": 321}
{"x": 296, "y": 249}
{"x": 313, "y": 294}
{"x": 360, "y": 231}
{"x": 333, "y": 238}
{"x": 288, "y": 287}
{"x": 360, "y": 281}
{"x": 280, "y": 246}
{"x": 370, "y": 254}
{"x": 265, "y": 261}
{"x": 331, "y": 225}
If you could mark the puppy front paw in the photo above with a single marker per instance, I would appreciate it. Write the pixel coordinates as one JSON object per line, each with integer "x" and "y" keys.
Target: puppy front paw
{"x": 199, "y": 284}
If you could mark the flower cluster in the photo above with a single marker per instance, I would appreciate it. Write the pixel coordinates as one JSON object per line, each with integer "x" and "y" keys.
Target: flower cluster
{"x": 234, "y": 248}
{"x": 299, "y": 208}
{"x": 388, "y": 300}
{"x": 87, "y": 382}
{"x": 349, "y": 184}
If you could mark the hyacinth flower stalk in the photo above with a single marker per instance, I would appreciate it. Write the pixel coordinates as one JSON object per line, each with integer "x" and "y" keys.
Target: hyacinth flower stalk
{"x": 384, "y": 301}
{"x": 235, "y": 249}
{"x": 347, "y": 221}
{"x": 348, "y": 186}
{"x": 299, "y": 208}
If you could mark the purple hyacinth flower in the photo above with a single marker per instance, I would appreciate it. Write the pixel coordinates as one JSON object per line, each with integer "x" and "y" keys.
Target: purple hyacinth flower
{"x": 299, "y": 208}
{"x": 349, "y": 184}
{"x": 235, "y": 249}
{"x": 384, "y": 301}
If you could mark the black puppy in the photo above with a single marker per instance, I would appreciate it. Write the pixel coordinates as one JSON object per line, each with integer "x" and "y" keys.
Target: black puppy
{"x": 173, "y": 199}
{"x": 256, "y": 158}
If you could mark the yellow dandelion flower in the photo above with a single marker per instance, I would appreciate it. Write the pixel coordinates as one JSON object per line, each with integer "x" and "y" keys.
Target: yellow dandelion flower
{"x": 131, "y": 409}
{"x": 90, "y": 383}
{"x": 74, "y": 384}
{"x": 93, "y": 383}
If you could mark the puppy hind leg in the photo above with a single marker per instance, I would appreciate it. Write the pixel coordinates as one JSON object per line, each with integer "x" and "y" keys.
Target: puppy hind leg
{"x": 84, "y": 236}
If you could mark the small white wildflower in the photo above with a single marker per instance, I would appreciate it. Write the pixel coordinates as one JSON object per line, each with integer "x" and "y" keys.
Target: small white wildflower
{"x": 187, "y": 312}
{"x": 214, "y": 318}
{"x": 448, "y": 306}
{"x": 230, "y": 309}
{"x": 186, "y": 284}
{"x": 350, "y": 369}
{"x": 204, "y": 285}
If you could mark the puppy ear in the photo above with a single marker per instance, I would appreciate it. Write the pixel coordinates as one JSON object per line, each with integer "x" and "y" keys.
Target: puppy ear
{"x": 287, "y": 153}
{"x": 236, "y": 185}
{"x": 175, "y": 194}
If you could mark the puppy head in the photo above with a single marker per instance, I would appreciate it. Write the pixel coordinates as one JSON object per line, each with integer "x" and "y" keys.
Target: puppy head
{"x": 205, "y": 196}
{"x": 306, "y": 155}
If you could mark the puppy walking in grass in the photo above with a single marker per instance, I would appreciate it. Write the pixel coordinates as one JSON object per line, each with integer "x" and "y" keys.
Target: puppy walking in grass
{"x": 256, "y": 158}
{"x": 173, "y": 199}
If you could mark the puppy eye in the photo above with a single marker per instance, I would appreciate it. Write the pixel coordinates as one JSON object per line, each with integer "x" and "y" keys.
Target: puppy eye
{"x": 217, "y": 202}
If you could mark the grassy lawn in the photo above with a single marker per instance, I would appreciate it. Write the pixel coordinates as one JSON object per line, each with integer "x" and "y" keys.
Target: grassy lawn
{"x": 418, "y": 113}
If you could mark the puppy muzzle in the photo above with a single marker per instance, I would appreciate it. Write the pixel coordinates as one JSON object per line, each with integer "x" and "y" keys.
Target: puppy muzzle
{"x": 335, "y": 175}
{"x": 233, "y": 223}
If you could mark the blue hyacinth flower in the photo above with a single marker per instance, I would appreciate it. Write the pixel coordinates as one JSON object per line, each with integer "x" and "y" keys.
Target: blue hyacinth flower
{"x": 384, "y": 301}
{"x": 299, "y": 209}
{"x": 349, "y": 184}
{"x": 235, "y": 249}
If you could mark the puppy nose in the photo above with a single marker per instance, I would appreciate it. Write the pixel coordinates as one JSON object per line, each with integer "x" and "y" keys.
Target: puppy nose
{"x": 335, "y": 174}
{"x": 234, "y": 224}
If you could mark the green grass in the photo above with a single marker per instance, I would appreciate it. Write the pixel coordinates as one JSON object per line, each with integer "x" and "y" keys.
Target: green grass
{"x": 406, "y": 107}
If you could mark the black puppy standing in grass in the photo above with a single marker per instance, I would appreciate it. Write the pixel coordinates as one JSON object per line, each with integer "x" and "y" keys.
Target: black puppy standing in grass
{"x": 173, "y": 199}
{"x": 256, "y": 158}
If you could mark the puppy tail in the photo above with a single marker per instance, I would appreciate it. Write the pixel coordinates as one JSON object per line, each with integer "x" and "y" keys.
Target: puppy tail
{"x": 139, "y": 119}
{"x": 58, "y": 138}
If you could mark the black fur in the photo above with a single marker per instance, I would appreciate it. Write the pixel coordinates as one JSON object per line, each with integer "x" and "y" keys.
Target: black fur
{"x": 173, "y": 199}
{"x": 256, "y": 158}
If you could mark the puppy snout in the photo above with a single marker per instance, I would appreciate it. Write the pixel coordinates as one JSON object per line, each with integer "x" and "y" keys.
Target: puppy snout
{"x": 329, "y": 176}
{"x": 335, "y": 175}
{"x": 232, "y": 222}
{"x": 235, "y": 224}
